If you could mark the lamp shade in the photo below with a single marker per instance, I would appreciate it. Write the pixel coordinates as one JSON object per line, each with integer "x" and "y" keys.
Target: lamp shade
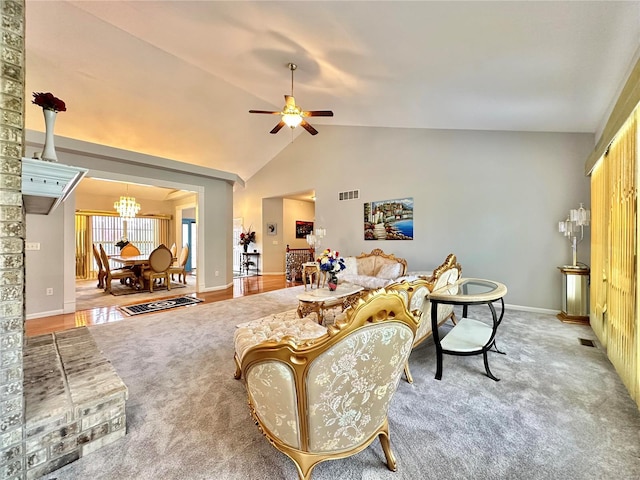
{"x": 292, "y": 120}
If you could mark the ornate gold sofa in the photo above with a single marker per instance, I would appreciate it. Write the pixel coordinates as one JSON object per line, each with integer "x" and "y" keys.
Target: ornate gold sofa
{"x": 373, "y": 270}
{"x": 328, "y": 397}
{"x": 415, "y": 294}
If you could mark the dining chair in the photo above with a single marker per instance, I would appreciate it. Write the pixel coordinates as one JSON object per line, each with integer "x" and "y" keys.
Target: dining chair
{"x": 101, "y": 272}
{"x": 174, "y": 250}
{"x": 119, "y": 274}
{"x": 180, "y": 267}
{"x": 159, "y": 262}
{"x": 129, "y": 250}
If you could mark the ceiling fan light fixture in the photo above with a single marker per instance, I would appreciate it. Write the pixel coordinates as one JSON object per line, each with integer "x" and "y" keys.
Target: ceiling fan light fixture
{"x": 292, "y": 119}
{"x": 292, "y": 114}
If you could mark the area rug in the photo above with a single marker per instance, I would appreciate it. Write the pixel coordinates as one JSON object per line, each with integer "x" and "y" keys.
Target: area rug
{"x": 166, "y": 304}
{"x": 118, "y": 289}
{"x": 559, "y": 411}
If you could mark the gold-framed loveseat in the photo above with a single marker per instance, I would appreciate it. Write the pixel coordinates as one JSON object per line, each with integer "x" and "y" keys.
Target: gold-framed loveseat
{"x": 328, "y": 397}
{"x": 373, "y": 270}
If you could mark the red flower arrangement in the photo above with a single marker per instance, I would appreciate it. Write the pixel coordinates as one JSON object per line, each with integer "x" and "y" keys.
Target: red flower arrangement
{"x": 48, "y": 102}
{"x": 247, "y": 237}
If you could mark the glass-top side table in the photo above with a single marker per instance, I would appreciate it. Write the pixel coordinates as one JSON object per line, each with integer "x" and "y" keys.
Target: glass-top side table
{"x": 468, "y": 336}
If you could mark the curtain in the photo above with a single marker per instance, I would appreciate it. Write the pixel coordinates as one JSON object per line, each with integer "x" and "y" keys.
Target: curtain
{"x": 85, "y": 266}
{"x": 614, "y": 248}
{"x": 162, "y": 232}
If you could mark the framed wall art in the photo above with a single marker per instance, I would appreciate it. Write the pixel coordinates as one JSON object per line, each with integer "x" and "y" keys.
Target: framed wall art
{"x": 303, "y": 228}
{"x": 389, "y": 219}
{"x": 272, "y": 228}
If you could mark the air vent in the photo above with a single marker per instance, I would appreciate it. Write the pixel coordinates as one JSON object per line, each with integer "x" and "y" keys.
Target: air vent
{"x": 586, "y": 342}
{"x": 351, "y": 195}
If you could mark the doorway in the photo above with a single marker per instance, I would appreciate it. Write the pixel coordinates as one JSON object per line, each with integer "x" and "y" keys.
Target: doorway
{"x": 189, "y": 237}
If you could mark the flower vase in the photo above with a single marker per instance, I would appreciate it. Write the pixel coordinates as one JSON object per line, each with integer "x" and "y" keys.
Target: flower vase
{"x": 49, "y": 148}
{"x": 333, "y": 281}
{"x": 245, "y": 246}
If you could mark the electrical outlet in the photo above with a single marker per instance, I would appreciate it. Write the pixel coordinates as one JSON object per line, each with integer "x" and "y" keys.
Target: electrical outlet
{"x": 217, "y": 273}
{"x": 32, "y": 246}
{"x": 49, "y": 291}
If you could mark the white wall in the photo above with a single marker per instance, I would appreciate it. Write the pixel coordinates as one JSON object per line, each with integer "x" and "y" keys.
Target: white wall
{"x": 492, "y": 198}
{"x": 44, "y": 267}
{"x": 272, "y": 247}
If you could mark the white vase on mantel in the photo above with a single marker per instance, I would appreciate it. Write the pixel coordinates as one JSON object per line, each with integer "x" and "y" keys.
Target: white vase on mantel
{"x": 49, "y": 148}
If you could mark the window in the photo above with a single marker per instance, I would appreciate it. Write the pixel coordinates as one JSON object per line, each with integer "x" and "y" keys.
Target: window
{"x": 146, "y": 233}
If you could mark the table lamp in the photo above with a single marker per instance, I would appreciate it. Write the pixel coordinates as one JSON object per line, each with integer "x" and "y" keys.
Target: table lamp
{"x": 573, "y": 229}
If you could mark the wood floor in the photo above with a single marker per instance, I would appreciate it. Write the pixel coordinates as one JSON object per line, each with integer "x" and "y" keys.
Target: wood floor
{"x": 241, "y": 287}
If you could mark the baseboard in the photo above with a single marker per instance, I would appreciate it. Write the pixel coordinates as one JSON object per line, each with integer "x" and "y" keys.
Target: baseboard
{"x": 69, "y": 307}
{"x": 215, "y": 289}
{"x": 531, "y": 309}
{"x": 44, "y": 314}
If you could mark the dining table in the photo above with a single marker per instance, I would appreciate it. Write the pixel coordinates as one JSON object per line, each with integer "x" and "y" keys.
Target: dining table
{"x": 129, "y": 261}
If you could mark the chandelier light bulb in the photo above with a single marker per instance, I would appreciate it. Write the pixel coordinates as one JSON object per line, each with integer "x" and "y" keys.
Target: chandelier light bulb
{"x": 127, "y": 207}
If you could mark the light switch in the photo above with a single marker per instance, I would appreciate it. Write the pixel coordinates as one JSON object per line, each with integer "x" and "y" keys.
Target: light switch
{"x": 275, "y": 242}
{"x": 32, "y": 246}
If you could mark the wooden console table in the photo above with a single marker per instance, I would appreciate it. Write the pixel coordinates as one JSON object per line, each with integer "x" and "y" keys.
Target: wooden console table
{"x": 248, "y": 263}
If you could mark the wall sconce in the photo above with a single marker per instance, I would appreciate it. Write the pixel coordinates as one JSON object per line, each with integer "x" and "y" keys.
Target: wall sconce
{"x": 573, "y": 227}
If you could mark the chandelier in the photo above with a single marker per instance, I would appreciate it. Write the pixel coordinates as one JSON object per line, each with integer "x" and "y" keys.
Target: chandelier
{"x": 127, "y": 206}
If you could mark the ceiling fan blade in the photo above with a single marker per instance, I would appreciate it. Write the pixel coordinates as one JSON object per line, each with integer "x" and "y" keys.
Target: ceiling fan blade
{"x": 308, "y": 127}
{"x": 264, "y": 111}
{"x": 277, "y": 128}
{"x": 318, "y": 113}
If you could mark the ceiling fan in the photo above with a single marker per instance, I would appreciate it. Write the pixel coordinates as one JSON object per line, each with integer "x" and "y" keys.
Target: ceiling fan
{"x": 292, "y": 114}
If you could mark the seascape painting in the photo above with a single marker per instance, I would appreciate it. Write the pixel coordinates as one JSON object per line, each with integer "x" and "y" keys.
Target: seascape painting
{"x": 389, "y": 219}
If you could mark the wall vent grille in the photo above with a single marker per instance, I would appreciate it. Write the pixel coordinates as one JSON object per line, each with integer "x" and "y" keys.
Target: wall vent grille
{"x": 350, "y": 195}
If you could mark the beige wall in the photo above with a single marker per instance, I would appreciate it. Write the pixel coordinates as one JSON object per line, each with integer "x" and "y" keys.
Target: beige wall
{"x": 105, "y": 204}
{"x": 492, "y": 198}
{"x": 297, "y": 210}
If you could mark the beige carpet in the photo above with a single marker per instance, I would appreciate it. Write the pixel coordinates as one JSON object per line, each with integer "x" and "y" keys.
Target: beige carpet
{"x": 88, "y": 295}
{"x": 560, "y": 411}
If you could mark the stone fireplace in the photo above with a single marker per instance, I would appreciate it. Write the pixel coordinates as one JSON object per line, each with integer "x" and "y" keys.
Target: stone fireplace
{"x": 59, "y": 397}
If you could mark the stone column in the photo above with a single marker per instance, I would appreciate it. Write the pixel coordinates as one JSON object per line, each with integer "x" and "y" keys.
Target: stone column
{"x": 12, "y": 235}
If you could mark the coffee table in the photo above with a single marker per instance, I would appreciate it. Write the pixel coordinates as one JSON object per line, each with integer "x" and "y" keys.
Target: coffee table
{"x": 321, "y": 299}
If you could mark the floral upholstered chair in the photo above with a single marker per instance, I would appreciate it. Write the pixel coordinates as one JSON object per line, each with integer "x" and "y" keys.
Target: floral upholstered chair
{"x": 328, "y": 397}
{"x": 415, "y": 294}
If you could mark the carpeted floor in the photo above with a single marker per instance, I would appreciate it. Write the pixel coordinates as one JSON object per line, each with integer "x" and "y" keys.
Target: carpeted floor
{"x": 559, "y": 412}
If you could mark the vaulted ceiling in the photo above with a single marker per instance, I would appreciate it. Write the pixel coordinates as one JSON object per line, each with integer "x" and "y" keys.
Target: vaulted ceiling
{"x": 176, "y": 78}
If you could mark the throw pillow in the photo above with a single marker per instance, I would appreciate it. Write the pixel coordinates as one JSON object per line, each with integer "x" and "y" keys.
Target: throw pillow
{"x": 351, "y": 266}
{"x": 390, "y": 270}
